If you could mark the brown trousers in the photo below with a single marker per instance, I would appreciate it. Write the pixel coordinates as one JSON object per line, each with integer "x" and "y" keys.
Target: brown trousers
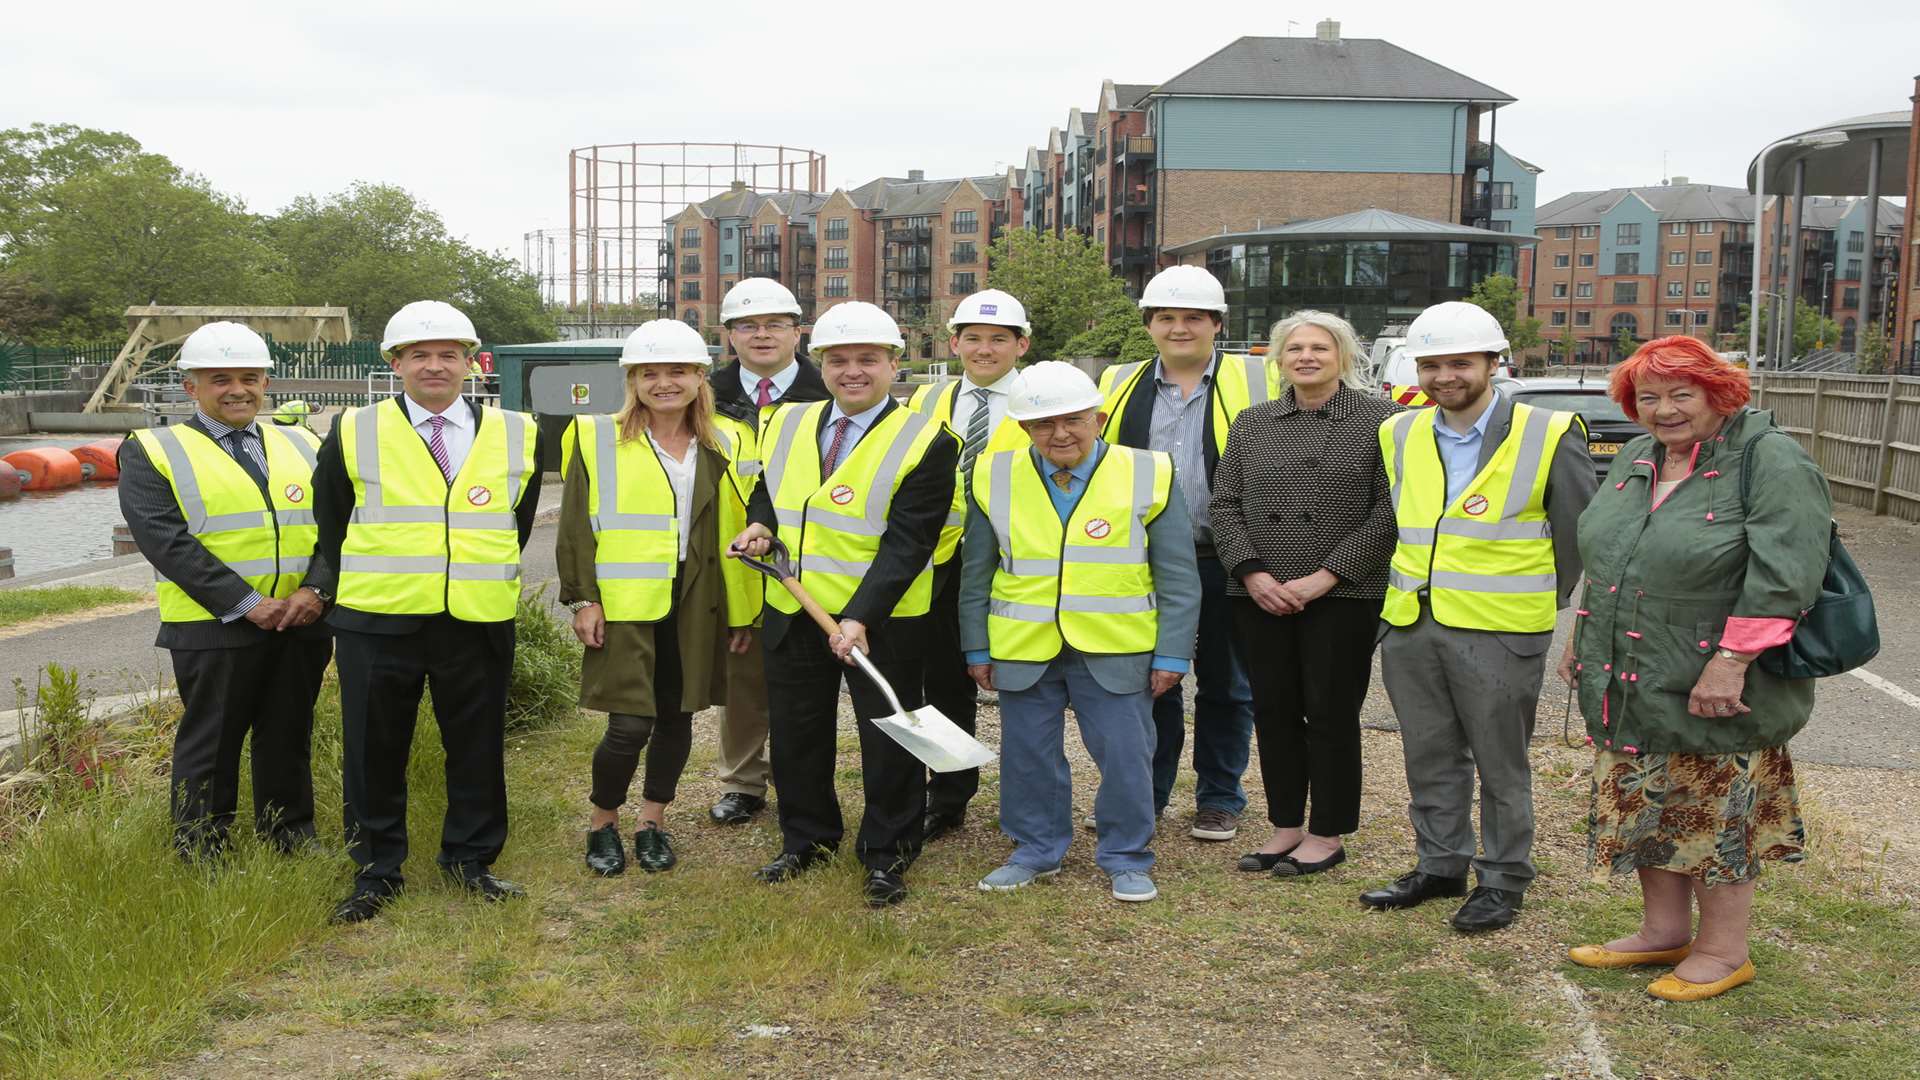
{"x": 743, "y": 724}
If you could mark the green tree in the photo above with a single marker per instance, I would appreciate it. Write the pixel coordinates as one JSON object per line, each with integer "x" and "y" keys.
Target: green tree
{"x": 1568, "y": 346}
{"x": 1499, "y": 296}
{"x": 1810, "y": 329}
{"x": 1624, "y": 343}
{"x": 1117, "y": 334}
{"x": 139, "y": 231}
{"x": 1873, "y": 351}
{"x": 1061, "y": 280}
{"x": 35, "y": 160}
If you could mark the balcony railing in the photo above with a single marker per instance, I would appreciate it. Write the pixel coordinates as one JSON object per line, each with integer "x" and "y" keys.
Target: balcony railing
{"x": 960, "y": 257}
{"x": 762, "y": 242}
{"x": 908, "y": 293}
{"x": 805, "y": 239}
{"x": 666, "y": 248}
{"x": 690, "y": 264}
{"x": 690, "y": 290}
{"x": 1137, "y": 146}
{"x": 1100, "y": 204}
{"x": 906, "y": 234}
{"x": 914, "y": 260}
{"x": 1100, "y": 156}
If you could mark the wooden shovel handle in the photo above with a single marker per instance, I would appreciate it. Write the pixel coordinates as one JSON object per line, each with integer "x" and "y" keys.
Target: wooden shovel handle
{"x": 812, "y": 607}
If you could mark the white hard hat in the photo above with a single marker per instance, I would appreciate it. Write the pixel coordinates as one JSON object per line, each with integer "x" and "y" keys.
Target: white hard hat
{"x": 757, "y": 296}
{"x": 224, "y": 345}
{"x": 855, "y": 322}
{"x": 665, "y": 341}
{"x": 1454, "y": 327}
{"x": 1052, "y": 388}
{"x": 427, "y": 320}
{"x": 990, "y": 307}
{"x": 1184, "y": 287}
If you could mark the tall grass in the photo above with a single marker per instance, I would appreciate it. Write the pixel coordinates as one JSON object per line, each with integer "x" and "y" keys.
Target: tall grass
{"x": 545, "y": 686}
{"x": 19, "y": 605}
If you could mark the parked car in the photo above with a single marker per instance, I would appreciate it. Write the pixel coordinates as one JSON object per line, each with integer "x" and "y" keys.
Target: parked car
{"x": 1607, "y": 425}
{"x": 1398, "y": 378}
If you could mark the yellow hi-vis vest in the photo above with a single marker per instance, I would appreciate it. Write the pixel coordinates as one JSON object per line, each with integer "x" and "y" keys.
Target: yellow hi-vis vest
{"x": 833, "y": 526}
{"x": 1085, "y": 582}
{"x": 267, "y": 540}
{"x": 1238, "y": 382}
{"x": 746, "y": 587}
{"x": 937, "y": 400}
{"x": 636, "y": 526}
{"x": 417, "y": 545}
{"x": 1485, "y": 560}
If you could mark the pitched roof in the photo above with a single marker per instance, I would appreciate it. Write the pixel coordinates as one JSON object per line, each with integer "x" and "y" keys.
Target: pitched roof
{"x": 1128, "y": 95}
{"x": 1702, "y": 202}
{"x": 1368, "y": 224}
{"x": 745, "y": 203}
{"x": 1301, "y": 67}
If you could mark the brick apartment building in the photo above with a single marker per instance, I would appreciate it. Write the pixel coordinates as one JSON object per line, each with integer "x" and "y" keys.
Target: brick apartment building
{"x": 1268, "y": 131}
{"x": 914, "y": 246}
{"x": 1677, "y": 259}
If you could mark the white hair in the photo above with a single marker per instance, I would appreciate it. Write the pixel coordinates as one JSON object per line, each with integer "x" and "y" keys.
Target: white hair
{"x": 1345, "y": 342}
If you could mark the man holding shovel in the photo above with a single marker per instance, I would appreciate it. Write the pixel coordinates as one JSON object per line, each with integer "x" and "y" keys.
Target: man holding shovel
{"x": 858, "y": 489}
{"x": 1079, "y": 587}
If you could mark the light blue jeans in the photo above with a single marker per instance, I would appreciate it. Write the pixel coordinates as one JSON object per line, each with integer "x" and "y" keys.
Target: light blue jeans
{"x": 1036, "y": 784}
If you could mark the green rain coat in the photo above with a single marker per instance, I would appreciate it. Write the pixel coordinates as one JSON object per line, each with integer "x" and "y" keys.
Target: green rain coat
{"x": 1661, "y": 584}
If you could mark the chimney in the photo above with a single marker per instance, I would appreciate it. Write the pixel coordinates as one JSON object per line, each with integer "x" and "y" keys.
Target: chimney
{"x": 1679, "y": 181}
{"x": 1327, "y": 30}
{"x": 917, "y": 175}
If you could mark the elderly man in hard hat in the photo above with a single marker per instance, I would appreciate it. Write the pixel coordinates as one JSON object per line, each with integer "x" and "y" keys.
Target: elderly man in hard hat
{"x": 221, "y": 505}
{"x": 858, "y": 488}
{"x": 1487, "y": 492}
{"x": 762, "y": 320}
{"x": 1182, "y": 403}
{"x": 1080, "y": 590}
{"x": 990, "y": 333}
{"x": 424, "y": 502}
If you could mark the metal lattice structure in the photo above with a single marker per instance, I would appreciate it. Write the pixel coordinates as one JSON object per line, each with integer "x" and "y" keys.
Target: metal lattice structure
{"x": 618, "y": 196}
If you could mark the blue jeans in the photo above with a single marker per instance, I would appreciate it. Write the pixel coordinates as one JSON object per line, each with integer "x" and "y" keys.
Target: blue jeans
{"x": 1222, "y": 709}
{"x": 1036, "y": 784}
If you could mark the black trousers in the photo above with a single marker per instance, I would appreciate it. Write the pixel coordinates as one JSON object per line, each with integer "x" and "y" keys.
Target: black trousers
{"x": 267, "y": 689}
{"x": 617, "y": 757}
{"x": 381, "y": 680}
{"x": 803, "y": 707}
{"x": 949, "y": 689}
{"x": 1309, "y": 674}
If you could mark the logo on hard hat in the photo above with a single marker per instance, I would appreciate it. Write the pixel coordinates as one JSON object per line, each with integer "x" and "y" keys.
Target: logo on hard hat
{"x": 1098, "y": 528}
{"x": 841, "y": 494}
{"x": 989, "y": 309}
{"x": 295, "y": 493}
{"x": 1475, "y": 505}
{"x": 479, "y": 495}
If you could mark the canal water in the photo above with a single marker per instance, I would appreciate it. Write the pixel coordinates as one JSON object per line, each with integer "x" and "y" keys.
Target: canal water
{"x": 48, "y": 530}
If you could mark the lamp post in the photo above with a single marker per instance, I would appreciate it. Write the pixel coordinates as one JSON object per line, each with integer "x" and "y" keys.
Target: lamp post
{"x": 1826, "y": 294}
{"x": 1815, "y": 140}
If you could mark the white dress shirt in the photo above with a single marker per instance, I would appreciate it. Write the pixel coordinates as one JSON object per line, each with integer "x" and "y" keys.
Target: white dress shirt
{"x": 456, "y": 434}
{"x": 997, "y": 393}
{"x": 680, "y": 476}
{"x": 782, "y": 381}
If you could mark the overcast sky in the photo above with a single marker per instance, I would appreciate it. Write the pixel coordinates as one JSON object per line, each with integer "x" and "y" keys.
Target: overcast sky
{"x": 474, "y": 106}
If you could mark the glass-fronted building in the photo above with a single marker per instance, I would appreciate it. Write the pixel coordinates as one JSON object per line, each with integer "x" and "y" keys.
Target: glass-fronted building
{"x": 1374, "y": 268}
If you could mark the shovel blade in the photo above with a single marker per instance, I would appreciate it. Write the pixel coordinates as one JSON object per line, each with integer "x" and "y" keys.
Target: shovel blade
{"x": 937, "y": 741}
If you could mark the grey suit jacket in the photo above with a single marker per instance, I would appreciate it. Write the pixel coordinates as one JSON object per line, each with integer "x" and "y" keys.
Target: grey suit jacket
{"x": 1176, "y": 586}
{"x": 160, "y": 530}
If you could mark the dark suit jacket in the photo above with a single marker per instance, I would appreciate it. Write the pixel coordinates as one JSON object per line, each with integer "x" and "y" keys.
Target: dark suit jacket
{"x": 914, "y": 520}
{"x": 1136, "y": 419}
{"x": 160, "y": 530}
{"x": 730, "y": 398}
{"x": 333, "y": 504}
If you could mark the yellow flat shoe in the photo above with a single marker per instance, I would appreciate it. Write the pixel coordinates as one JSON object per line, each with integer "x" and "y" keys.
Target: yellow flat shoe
{"x": 1673, "y": 988}
{"x": 1599, "y": 956}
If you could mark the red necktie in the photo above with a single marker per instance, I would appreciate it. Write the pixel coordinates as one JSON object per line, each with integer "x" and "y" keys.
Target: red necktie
{"x": 764, "y": 397}
{"x": 840, "y": 427}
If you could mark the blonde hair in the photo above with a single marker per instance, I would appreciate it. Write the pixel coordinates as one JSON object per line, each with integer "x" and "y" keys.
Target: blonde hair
{"x": 1345, "y": 342}
{"x": 633, "y": 414}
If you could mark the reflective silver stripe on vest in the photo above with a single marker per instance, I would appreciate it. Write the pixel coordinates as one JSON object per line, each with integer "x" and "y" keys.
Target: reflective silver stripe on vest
{"x": 788, "y": 518}
{"x": 193, "y": 505}
{"x": 1477, "y": 530}
{"x": 776, "y": 466}
{"x": 1007, "y": 609}
{"x": 725, "y": 440}
{"x": 606, "y": 484}
{"x": 956, "y": 518}
{"x": 516, "y": 450}
{"x": 366, "y": 453}
{"x": 255, "y": 568}
{"x": 1400, "y": 431}
{"x": 1109, "y": 556}
{"x": 1526, "y": 468}
{"x": 396, "y": 515}
{"x": 391, "y": 564}
{"x": 462, "y": 571}
{"x": 748, "y": 466}
{"x": 1000, "y": 513}
{"x": 822, "y": 564}
{"x": 1108, "y": 605}
{"x": 300, "y": 446}
{"x": 293, "y": 517}
{"x": 296, "y": 564}
{"x": 1256, "y": 368}
{"x": 1031, "y": 567}
{"x": 874, "y": 520}
{"x": 1143, "y": 476}
{"x": 469, "y": 519}
{"x": 1493, "y": 583}
{"x": 632, "y": 571}
{"x": 1405, "y": 583}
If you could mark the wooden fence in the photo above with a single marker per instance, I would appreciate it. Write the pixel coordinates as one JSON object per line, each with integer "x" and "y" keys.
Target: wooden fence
{"x": 1863, "y": 431}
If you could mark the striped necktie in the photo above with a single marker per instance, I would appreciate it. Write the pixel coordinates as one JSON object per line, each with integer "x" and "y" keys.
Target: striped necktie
{"x": 976, "y": 429}
{"x": 438, "y": 444}
{"x": 832, "y": 459}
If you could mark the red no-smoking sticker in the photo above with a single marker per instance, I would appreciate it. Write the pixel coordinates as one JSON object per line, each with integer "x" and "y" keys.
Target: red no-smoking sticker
{"x": 841, "y": 494}
{"x": 1098, "y": 528}
{"x": 479, "y": 496}
{"x": 1475, "y": 505}
{"x": 295, "y": 493}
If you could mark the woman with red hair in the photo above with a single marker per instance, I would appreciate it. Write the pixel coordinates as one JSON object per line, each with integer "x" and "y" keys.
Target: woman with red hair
{"x": 1702, "y": 549}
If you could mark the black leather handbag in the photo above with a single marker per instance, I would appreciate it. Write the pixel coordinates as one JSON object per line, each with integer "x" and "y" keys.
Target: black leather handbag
{"x": 1839, "y": 632}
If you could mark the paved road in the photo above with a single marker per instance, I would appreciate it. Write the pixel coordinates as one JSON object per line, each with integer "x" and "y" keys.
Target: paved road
{"x": 1854, "y": 722}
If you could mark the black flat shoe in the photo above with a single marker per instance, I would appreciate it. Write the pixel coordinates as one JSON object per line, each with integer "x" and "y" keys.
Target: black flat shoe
{"x": 939, "y": 823}
{"x": 1259, "y": 862}
{"x": 1290, "y": 867}
{"x": 606, "y": 855}
{"x": 364, "y": 904}
{"x": 653, "y": 850}
{"x": 885, "y": 888}
{"x": 1413, "y": 888}
{"x": 480, "y": 880}
{"x": 1487, "y": 909}
{"x": 788, "y": 866}
{"x": 736, "y": 808}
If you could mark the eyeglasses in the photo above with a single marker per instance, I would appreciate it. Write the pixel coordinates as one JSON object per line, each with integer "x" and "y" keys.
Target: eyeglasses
{"x": 1075, "y": 425}
{"x": 751, "y": 328}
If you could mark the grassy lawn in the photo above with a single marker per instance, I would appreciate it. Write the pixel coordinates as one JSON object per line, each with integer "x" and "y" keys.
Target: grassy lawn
{"x": 22, "y": 605}
{"x": 121, "y": 961}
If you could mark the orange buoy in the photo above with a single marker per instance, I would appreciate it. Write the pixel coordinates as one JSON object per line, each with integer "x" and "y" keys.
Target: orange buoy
{"x": 100, "y": 460}
{"x": 9, "y": 482}
{"x": 45, "y": 468}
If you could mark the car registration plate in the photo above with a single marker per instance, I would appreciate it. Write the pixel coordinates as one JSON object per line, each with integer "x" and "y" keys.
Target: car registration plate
{"x": 1603, "y": 447}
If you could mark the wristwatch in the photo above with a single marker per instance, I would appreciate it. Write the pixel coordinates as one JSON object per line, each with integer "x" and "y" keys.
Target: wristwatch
{"x": 325, "y": 596}
{"x": 1729, "y": 654}
{"x": 579, "y": 605}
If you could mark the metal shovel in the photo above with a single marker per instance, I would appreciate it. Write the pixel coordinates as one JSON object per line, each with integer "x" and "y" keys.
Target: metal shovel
{"x": 925, "y": 732}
